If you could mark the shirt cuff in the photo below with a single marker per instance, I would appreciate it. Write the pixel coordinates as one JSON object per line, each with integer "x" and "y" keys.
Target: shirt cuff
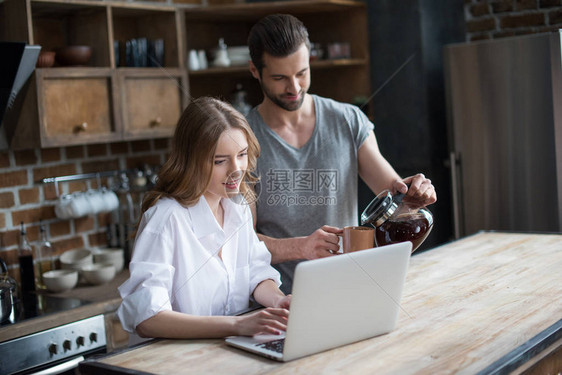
{"x": 142, "y": 305}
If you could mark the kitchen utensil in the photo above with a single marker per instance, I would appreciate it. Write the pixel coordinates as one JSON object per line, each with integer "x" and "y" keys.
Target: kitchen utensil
{"x": 221, "y": 56}
{"x": 339, "y": 51}
{"x": 396, "y": 220}
{"x": 316, "y": 51}
{"x": 80, "y": 205}
{"x": 110, "y": 200}
{"x": 98, "y": 273}
{"x": 62, "y": 207}
{"x": 73, "y": 55}
{"x": 357, "y": 238}
{"x": 193, "y": 60}
{"x": 238, "y": 55}
{"x": 46, "y": 59}
{"x": 76, "y": 259}
{"x": 202, "y": 57}
{"x": 58, "y": 281}
{"x": 115, "y": 256}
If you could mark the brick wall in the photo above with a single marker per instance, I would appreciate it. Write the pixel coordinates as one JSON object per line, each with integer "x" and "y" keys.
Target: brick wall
{"x": 490, "y": 19}
{"x": 24, "y": 198}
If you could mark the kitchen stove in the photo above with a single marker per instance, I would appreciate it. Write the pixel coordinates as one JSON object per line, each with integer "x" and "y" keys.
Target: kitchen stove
{"x": 55, "y": 350}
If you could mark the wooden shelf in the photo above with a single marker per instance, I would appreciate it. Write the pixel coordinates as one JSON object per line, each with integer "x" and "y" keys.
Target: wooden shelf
{"x": 242, "y": 69}
{"x": 254, "y": 11}
{"x": 182, "y": 27}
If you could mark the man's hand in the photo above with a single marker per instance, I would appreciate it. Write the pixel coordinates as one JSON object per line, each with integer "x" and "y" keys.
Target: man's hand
{"x": 323, "y": 242}
{"x": 421, "y": 192}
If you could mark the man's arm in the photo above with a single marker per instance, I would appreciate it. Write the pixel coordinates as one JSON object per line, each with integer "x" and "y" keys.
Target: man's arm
{"x": 379, "y": 175}
{"x": 322, "y": 243}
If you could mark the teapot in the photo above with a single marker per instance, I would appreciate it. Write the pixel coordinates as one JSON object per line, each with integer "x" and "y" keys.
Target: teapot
{"x": 396, "y": 220}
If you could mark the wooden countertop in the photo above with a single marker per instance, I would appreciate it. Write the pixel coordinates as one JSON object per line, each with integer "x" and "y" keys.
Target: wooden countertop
{"x": 485, "y": 303}
{"x": 105, "y": 298}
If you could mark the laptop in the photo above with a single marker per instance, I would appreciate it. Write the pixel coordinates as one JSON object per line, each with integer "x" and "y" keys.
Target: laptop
{"x": 338, "y": 301}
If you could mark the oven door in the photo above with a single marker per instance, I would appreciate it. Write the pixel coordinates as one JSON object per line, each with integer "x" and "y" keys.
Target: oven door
{"x": 54, "y": 351}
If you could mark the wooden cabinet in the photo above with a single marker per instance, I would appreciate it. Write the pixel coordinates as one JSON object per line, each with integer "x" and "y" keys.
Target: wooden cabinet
{"x": 106, "y": 100}
{"x": 152, "y": 102}
{"x": 110, "y": 101}
{"x": 327, "y": 21}
{"x": 76, "y": 106}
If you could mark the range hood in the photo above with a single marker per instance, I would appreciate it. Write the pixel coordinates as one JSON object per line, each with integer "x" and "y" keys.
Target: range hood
{"x": 16, "y": 65}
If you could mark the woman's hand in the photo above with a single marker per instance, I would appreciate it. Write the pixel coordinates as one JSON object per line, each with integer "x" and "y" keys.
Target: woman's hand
{"x": 284, "y": 302}
{"x": 271, "y": 321}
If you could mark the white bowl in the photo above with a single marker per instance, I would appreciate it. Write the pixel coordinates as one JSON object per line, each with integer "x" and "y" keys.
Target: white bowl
{"x": 98, "y": 273}
{"x": 60, "y": 280}
{"x": 114, "y": 255}
{"x": 76, "y": 257}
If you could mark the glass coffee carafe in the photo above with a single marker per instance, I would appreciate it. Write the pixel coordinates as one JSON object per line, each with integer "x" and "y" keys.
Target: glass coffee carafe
{"x": 396, "y": 220}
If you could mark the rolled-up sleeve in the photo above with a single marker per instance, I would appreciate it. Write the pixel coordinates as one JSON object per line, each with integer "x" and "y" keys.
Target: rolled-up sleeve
{"x": 145, "y": 294}
{"x": 260, "y": 266}
{"x": 147, "y": 291}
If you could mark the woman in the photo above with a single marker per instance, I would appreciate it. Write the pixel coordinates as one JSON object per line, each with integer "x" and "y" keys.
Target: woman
{"x": 196, "y": 256}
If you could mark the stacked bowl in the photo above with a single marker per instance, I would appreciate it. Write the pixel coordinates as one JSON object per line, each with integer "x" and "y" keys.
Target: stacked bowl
{"x": 93, "y": 267}
{"x": 98, "y": 273}
{"x": 112, "y": 255}
{"x": 76, "y": 259}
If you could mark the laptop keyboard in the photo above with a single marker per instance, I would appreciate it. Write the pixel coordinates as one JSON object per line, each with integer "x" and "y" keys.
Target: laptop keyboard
{"x": 275, "y": 345}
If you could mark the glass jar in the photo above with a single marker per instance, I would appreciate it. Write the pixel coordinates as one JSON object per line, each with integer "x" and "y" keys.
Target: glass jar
{"x": 397, "y": 221}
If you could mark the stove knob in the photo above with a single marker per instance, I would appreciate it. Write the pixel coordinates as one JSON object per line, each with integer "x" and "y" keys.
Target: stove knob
{"x": 53, "y": 349}
{"x": 66, "y": 345}
{"x": 80, "y": 341}
{"x": 93, "y": 337}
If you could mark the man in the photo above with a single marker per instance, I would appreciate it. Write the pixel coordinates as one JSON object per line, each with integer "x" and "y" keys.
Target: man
{"x": 312, "y": 149}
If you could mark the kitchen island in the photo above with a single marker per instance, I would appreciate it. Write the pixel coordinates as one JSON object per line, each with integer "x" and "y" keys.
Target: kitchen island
{"x": 488, "y": 303}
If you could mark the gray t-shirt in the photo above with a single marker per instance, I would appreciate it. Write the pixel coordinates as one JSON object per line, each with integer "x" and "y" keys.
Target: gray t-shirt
{"x": 302, "y": 189}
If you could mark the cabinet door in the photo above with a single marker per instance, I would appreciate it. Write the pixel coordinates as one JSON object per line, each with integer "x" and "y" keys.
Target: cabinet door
{"x": 76, "y": 107}
{"x": 152, "y": 102}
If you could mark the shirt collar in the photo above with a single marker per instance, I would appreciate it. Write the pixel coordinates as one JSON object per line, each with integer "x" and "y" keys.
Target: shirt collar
{"x": 204, "y": 222}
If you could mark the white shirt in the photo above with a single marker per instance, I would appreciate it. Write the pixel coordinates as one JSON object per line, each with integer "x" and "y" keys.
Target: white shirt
{"x": 176, "y": 266}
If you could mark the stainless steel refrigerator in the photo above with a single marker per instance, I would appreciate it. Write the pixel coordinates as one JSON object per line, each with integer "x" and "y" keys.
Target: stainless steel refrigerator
{"x": 504, "y": 104}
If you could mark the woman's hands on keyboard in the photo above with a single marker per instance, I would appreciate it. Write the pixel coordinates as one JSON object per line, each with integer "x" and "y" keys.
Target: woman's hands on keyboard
{"x": 284, "y": 302}
{"x": 270, "y": 321}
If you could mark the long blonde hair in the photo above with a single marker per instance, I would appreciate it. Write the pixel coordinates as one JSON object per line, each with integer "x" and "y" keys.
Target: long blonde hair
{"x": 187, "y": 173}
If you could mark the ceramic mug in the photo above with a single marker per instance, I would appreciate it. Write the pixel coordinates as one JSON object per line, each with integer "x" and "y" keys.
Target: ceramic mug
{"x": 110, "y": 200}
{"x": 80, "y": 205}
{"x": 95, "y": 200}
{"x": 62, "y": 207}
{"x": 357, "y": 238}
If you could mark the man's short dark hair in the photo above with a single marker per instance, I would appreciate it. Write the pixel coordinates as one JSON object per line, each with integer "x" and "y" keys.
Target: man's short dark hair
{"x": 279, "y": 35}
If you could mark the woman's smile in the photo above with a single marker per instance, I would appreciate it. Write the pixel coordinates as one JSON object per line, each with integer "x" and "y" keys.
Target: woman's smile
{"x": 232, "y": 185}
